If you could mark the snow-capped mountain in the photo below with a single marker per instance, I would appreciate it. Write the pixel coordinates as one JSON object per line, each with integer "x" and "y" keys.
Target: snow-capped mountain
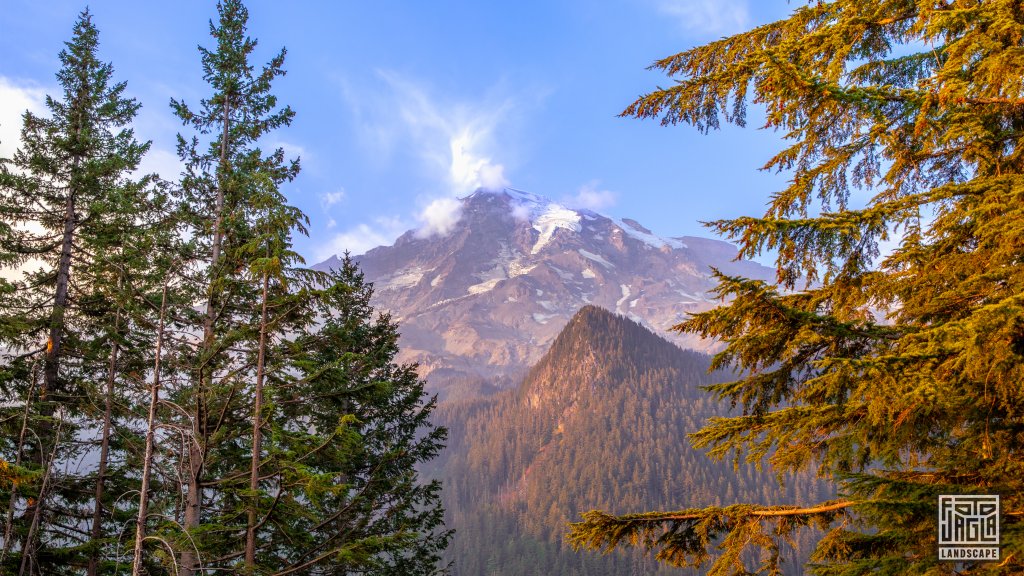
{"x": 488, "y": 298}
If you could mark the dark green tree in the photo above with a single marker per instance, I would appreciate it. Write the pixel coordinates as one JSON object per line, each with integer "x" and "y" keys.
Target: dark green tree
{"x": 898, "y": 376}
{"x": 346, "y": 437}
{"x": 222, "y": 173}
{"x": 303, "y": 437}
{"x": 65, "y": 199}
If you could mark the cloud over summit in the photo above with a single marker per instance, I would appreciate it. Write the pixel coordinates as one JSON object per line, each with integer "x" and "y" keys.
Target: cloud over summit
{"x": 451, "y": 142}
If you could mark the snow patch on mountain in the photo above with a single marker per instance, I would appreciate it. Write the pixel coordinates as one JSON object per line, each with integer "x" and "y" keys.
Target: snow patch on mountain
{"x": 489, "y": 278}
{"x": 484, "y": 286}
{"x": 555, "y": 216}
{"x": 625, "y": 296}
{"x": 403, "y": 279}
{"x": 519, "y": 269}
{"x": 543, "y": 214}
{"x": 564, "y": 275}
{"x": 645, "y": 236}
{"x": 596, "y": 258}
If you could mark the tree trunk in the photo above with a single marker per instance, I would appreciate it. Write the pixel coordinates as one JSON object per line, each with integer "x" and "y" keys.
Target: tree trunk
{"x": 147, "y": 462}
{"x": 97, "y": 514}
{"x": 60, "y": 300}
{"x": 194, "y": 498}
{"x": 257, "y": 437}
{"x": 28, "y": 550}
{"x": 9, "y": 526}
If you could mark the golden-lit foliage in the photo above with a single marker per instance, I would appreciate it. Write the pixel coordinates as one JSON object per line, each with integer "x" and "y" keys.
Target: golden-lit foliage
{"x": 897, "y": 372}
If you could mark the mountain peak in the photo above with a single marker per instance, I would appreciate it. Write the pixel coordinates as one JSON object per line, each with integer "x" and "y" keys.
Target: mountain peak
{"x": 547, "y": 216}
{"x": 599, "y": 345}
{"x": 492, "y": 295}
{"x": 512, "y": 193}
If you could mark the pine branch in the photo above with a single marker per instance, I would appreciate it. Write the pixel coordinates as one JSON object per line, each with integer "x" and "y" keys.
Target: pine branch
{"x": 686, "y": 537}
{"x": 758, "y": 512}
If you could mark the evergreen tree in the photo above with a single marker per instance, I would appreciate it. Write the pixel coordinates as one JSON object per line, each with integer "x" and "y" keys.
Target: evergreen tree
{"x": 898, "y": 376}
{"x": 303, "y": 436}
{"x": 221, "y": 177}
{"x": 65, "y": 199}
{"x": 346, "y": 428}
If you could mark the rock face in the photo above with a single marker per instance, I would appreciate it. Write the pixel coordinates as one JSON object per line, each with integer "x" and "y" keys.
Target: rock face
{"x": 488, "y": 298}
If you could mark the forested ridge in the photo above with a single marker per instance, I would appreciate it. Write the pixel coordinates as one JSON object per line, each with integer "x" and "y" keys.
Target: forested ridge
{"x": 600, "y": 422}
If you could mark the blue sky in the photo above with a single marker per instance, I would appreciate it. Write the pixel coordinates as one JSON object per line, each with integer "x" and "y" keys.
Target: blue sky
{"x": 404, "y": 106}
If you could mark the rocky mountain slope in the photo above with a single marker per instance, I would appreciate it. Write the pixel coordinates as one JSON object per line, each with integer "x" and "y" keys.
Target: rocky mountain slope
{"x": 488, "y": 298}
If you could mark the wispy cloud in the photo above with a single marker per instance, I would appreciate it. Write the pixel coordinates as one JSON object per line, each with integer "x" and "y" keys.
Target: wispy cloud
{"x": 455, "y": 142}
{"x": 591, "y": 197}
{"x": 328, "y": 199}
{"x": 361, "y": 238}
{"x": 708, "y": 17}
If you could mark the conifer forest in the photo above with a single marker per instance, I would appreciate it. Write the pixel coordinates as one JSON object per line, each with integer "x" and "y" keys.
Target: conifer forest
{"x": 182, "y": 395}
{"x": 504, "y": 391}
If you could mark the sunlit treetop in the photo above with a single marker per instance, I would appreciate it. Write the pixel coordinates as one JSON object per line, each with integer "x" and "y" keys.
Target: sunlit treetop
{"x": 896, "y": 375}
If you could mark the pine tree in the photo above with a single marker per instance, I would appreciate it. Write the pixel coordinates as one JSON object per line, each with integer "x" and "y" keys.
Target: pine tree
{"x": 898, "y": 376}
{"x": 346, "y": 437}
{"x": 64, "y": 198}
{"x": 266, "y": 430}
{"x": 219, "y": 181}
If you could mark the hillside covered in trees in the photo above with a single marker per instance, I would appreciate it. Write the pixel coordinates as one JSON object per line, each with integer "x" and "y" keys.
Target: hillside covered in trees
{"x": 600, "y": 422}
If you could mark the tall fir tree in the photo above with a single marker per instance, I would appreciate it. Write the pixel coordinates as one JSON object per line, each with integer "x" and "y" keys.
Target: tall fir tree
{"x": 220, "y": 176}
{"x": 64, "y": 198}
{"x": 899, "y": 376}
